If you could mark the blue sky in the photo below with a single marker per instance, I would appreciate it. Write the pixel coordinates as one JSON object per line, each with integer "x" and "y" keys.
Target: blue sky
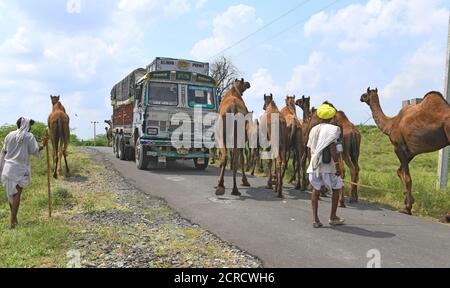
{"x": 46, "y": 48}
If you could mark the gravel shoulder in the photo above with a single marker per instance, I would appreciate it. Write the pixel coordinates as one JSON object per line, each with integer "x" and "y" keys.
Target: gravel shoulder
{"x": 121, "y": 227}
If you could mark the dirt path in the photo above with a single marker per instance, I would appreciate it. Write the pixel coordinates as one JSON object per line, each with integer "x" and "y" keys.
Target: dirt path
{"x": 123, "y": 227}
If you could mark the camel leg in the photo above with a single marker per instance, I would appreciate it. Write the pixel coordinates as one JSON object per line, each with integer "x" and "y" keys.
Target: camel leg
{"x": 407, "y": 183}
{"x": 60, "y": 158}
{"x": 220, "y": 189}
{"x": 280, "y": 167}
{"x": 55, "y": 156}
{"x": 66, "y": 143}
{"x": 269, "y": 181}
{"x": 297, "y": 169}
{"x": 244, "y": 178}
{"x": 234, "y": 160}
{"x": 405, "y": 177}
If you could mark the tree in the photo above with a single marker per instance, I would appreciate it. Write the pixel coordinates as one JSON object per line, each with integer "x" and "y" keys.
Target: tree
{"x": 224, "y": 72}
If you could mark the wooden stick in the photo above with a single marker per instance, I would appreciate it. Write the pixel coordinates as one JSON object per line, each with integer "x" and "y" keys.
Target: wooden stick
{"x": 48, "y": 179}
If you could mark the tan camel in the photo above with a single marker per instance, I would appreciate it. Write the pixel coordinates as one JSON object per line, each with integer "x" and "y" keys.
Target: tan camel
{"x": 109, "y": 132}
{"x": 305, "y": 104}
{"x": 294, "y": 139}
{"x": 58, "y": 123}
{"x": 417, "y": 129}
{"x": 271, "y": 109}
{"x": 352, "y": 145}
{"x": 232, "y": 103}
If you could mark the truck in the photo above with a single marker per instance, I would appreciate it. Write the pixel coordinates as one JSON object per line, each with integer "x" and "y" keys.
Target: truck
{"x": 145, "y": 104}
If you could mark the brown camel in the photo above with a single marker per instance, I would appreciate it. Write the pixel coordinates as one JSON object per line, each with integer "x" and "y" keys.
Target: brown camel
{"x": 294, "y": 139}
{"x": 233, "y": 104}
{"x": 271, "y": 109}
{"x": 305, "y": 104}
{"x": 58, "y": 123}
{"x": 417, "y": 129}
{"x": 352, "y": 143}
{"x": 109, "y": 132}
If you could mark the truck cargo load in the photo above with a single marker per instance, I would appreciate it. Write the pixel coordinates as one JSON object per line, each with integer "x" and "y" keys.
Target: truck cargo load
{"x": 125, "y": 90}
{"x": 170, "y": 64}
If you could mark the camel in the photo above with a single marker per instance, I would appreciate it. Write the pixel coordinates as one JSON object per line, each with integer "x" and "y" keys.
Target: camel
{"x": 232, "y": 103}
{"x": 109, "y": 132}
{"x": 305, "y": 104}
{"x": 417, "y": 129}
{"x": 58, "y": 123}
{"x": 352, "y": 145}
{"x": 270, "y": 108}
{"x": 294, "y": 139}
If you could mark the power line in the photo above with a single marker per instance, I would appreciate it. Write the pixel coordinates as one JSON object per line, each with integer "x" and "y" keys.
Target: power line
{"x": 288, "y": 28}
{"x": 260, "y": 29}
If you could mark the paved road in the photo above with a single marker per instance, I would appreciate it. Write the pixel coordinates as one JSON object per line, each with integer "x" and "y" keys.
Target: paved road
{"x": 279, "y": 232}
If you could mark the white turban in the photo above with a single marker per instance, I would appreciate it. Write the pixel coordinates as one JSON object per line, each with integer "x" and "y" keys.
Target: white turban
{"x": 25, "y": 124}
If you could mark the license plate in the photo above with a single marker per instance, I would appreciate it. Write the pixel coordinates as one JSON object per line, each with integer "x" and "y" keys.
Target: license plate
{"x": 162, "y": 159}
{"x": 201, "y": 161}
{"x": 183, "y": 151}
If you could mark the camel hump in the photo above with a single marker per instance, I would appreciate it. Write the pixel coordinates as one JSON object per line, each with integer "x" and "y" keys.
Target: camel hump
{"x": 434, "y": 94}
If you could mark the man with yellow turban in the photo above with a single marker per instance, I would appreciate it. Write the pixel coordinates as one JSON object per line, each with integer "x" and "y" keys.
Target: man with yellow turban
{"x": 324, "y": 169}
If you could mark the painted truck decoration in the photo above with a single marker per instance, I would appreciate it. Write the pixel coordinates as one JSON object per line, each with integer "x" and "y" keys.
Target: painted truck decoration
{"x": 145, "y": 102}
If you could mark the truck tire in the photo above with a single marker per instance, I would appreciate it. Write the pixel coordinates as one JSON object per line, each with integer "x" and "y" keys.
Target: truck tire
{"x": 116, "y": 146}
{"x": 201, "y": 167}
{"x": 142, "y": 160}
{"x": 122, "y": 149}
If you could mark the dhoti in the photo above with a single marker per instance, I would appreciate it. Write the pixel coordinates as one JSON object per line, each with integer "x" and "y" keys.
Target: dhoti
{"x": 11, "y": 185}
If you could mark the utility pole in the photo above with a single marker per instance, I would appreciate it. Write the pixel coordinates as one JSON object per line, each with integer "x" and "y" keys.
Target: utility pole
{"x": 443, "y": 154}
{"x": 95, "y": 131}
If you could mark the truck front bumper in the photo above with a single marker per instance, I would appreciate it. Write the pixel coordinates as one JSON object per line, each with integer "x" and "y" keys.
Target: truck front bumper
{"x": 174, "y": 153}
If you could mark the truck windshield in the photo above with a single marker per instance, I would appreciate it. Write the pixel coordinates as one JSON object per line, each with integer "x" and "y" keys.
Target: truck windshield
{"x": 199, "y": 96}
{"x": 163, "y": 94}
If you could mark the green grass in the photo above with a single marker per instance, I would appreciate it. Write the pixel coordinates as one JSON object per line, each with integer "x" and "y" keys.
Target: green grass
{"x": 39, "y": 241}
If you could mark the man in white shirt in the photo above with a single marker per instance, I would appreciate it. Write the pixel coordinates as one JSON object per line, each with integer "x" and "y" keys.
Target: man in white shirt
{"x": 324, "y": 169}
{"x": 18, "y": 147}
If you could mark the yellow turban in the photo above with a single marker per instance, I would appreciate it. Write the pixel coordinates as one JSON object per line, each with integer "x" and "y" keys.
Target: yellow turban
{"x": 326, "y": 112}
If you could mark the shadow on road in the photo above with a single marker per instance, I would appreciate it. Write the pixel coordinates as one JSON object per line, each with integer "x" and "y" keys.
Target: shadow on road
{"x": 363, "y": 232}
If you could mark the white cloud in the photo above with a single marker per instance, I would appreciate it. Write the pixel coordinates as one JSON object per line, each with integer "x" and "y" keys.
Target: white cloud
{"x": 200, "y": 3}
{"x": 306, "y": 76}
{"x": 228, "y": 27}
{"x": 356, "y": 27}
{"x": 17, "y": 44}
{"x": 423, "y": 70}
{"x": 152, "y": 8}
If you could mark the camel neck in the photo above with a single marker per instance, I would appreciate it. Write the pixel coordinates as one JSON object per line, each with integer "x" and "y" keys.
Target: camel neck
{"x": 383, "y": 122}
{"x": 306, "y": 114}
{"x": 292, "y": 110}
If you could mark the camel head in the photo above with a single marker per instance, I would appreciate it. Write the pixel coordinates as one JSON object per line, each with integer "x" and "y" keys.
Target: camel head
{"x": 268, "y": 99}
{"x": 55, "y": 99}
{"x": 369, "y": 95}
{"x": 109, "y": 122}
{"x": 241, "y": 85}
{"x": 290, "y": 101}
{"x": 304, "y": 103}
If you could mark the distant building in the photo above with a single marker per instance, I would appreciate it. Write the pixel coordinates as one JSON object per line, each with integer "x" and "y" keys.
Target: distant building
{"x": 414, "y": 101}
